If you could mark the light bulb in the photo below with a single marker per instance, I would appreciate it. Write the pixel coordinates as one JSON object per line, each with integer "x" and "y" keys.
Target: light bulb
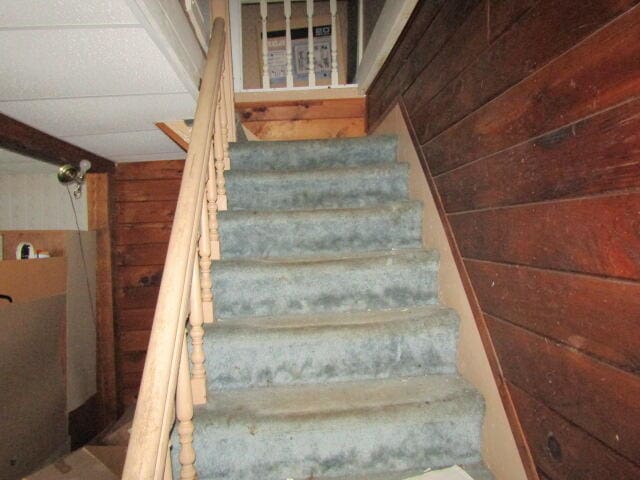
{"x": 85, "y": 165}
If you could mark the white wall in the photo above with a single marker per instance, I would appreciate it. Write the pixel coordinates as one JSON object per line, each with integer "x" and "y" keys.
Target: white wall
{"x": 81, "y": 320}
{"x": 37, "y": 201}
{"x": 499, "y": 450}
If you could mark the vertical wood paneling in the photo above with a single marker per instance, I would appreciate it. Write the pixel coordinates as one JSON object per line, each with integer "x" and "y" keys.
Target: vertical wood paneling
{"x": 452, "y": 15}
{"x": 526, "y": 115}
{"x": 597, "y": 74}
{"x": 422, "y": 17}
{"x": 594, "y": 235}
{"x": 564, "y": 450}
{"x": 584, "y": 312}
{"x": 145, "y": 195}
{"x": 553, "y": 166}
{"x": 542, "y": 34}
{"x": 600, "y": 399}
{"x": 462, "y": 50}
{"x": 100, "y": 205}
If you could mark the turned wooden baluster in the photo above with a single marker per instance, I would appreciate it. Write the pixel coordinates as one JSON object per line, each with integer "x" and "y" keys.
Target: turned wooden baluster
{"x": 212, "y": 210}
{"x": 218, "y": 143}
{"x": 312, "y": 63}
{"x": 287, "y": 20}
{"x": 224, "y": 126}
{"x": 334, "y": 42}
{"x": 205, "y": 253}
{"x": 184, "y": 415}
{"x": 196, "y": 319}
{"x": 265, "y": 48}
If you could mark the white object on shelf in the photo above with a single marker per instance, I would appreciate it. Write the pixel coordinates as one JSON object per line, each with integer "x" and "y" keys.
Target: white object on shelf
{"x": 25, "y": 250}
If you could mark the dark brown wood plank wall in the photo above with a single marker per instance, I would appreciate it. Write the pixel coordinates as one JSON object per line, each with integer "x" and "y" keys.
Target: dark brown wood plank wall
{"x": 526, "y": 115}
{"x": 145, "y": 195}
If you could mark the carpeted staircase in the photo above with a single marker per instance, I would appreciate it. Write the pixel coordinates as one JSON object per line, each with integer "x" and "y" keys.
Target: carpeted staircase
{"x": 331, "y": 357}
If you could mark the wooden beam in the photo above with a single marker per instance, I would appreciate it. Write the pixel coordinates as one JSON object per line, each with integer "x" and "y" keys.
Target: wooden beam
{"x": 99, "y": 198}
{"x": 25, "y": 140}
{"x": 178, "y": 132}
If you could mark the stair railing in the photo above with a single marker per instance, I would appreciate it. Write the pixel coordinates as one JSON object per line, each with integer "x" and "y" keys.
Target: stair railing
{"x": 170, "y": 386}
{"x": 287, "y": 60}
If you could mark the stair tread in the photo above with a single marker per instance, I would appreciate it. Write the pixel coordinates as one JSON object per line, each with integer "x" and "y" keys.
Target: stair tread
{"x": 363, "y": 397}
{"x": 347, "y": 282}
{"x": 382, "y": 208}
{"x": 256, "y": 352}
{"x": 313, "y": 188}
{"x": 301, "y": 154}
{"x": 279, "y": 233}
{"x": 437, "y": 314}
{"x": 330, "y": 173}
{"x": 355, "y": 258}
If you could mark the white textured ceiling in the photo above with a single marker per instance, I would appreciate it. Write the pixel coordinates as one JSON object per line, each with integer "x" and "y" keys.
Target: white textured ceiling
{"x": 38, "y": 13}
{"x": 87, "y": 71}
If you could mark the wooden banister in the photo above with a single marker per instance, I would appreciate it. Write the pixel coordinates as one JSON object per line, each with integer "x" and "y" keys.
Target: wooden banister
{"x": 147, "y": 455}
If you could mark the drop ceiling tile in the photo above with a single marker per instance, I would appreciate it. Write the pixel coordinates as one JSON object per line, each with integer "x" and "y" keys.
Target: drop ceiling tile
{"x": 39, "y": 13}
{"x": 127, "y": 144}
{"x": 37, "y": 64}
{"x": 95, "y": 115}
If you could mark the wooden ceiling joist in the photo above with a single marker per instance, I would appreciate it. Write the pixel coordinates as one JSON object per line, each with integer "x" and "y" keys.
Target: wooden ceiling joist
{"x": 25, "y": 140}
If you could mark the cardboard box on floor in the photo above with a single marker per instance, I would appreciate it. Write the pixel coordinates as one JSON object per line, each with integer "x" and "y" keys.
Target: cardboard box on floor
{"x": 91, "y": 462}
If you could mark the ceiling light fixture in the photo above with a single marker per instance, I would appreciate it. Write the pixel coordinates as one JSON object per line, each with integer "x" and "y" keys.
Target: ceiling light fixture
{"x": 71, "y": 174}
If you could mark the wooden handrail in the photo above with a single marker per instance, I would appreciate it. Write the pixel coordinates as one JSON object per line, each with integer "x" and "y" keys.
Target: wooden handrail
{"x": 147, "y": 454}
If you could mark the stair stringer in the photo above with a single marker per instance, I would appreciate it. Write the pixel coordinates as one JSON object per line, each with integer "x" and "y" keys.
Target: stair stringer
{"x": 499, "y": 448}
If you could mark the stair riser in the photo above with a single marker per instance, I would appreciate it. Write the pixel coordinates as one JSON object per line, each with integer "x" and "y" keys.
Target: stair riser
{"x": 327, "y": 189}
{"x": 249, "y": 235}
{"x": 255, "y": 358}
{"x": 338, "y": 446}
{"x": 263, "y": 289}
{"x": 312, "y": 154}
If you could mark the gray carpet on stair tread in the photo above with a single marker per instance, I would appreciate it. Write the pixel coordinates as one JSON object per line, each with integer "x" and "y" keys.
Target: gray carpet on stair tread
{"x": 339, "y": 429}
{"x": 320, "y": 232}
{"x": 284, "y": 404}
{"x": 305, "y": 349}
{"x": 320, "y": 188}
{"x": 302, "y": 154}
{"x": 377, "y": 280}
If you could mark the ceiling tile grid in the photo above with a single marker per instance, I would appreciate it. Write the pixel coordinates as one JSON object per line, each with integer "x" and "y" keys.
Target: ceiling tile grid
{"x": 87, "y": 71}
{"x": 39, "y": 13}
{"x": 64, "y": 63}
{"x": 94, "y": 115}
{"x": 127, "y": 143}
